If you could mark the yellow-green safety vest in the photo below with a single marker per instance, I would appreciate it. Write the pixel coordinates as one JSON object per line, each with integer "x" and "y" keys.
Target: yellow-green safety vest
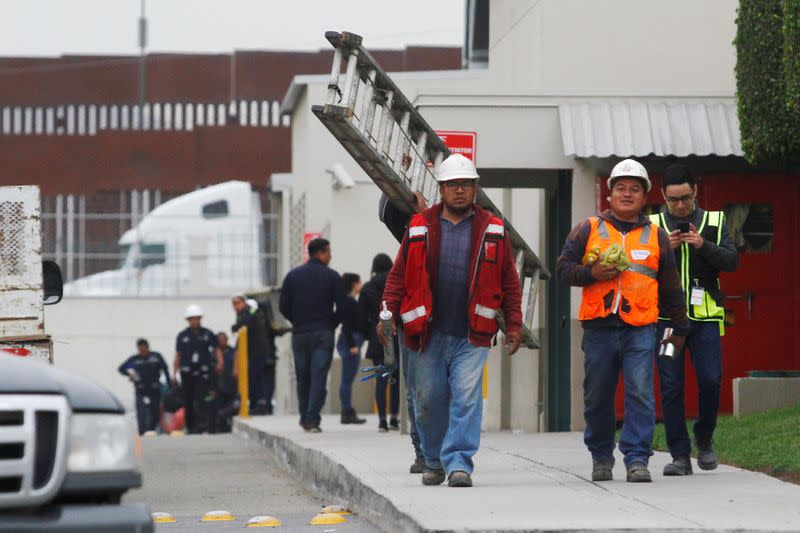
{"x": 709, "y": 310}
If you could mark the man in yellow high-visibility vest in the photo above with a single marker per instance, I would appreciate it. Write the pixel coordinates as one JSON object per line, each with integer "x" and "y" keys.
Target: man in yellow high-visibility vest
{"x": 703, "y": 249}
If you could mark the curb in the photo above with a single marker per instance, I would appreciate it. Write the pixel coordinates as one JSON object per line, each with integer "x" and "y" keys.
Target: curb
{"x": 331, "y": 481}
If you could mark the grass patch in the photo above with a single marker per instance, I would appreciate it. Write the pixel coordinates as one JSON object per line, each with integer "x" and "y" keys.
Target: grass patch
{"x": 767, "y": 442}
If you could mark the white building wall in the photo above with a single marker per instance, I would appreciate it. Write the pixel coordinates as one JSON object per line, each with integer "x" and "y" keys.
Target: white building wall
{"x": 614, "y": 46}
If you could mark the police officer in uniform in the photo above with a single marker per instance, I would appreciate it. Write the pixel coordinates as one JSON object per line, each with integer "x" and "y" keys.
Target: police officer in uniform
{"x": 703, "y": 248}
{"x": 199, "y": 360}
{"x": 144, "y": 369}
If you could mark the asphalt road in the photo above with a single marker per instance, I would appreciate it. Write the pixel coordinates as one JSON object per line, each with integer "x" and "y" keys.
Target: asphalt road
{"x": 189, "y": 476}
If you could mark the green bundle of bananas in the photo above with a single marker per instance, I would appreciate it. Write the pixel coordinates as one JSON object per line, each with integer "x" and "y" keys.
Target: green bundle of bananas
{"x": 615, "y": 255}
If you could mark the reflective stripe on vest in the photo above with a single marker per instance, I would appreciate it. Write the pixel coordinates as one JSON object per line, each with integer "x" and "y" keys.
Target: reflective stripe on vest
{"x": 634, "y": 293}
{"x": 709, "y": 310}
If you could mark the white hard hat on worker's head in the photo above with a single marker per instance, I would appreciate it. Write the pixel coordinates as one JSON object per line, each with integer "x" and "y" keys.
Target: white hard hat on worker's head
{"x": 629, "y": 168}
{"x": 457, "y": 167}
{"x": 192, "y": 311}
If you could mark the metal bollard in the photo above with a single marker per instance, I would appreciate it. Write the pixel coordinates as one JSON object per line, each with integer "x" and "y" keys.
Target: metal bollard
{"x": 244, "y": 376}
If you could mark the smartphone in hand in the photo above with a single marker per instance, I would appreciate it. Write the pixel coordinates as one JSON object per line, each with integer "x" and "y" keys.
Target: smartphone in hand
{"x": 683, "y": 227}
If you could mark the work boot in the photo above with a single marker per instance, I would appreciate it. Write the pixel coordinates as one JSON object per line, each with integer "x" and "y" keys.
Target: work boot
{"x": 432, "y": 476}
{"x": 315, "y": 429}
{"x": 350, "y": 417}
{"x": 638, "y": 473}
{"x": 459, "y": 478}
{"x": 383, "y": 427}
{"x": 418, "y": 466}
{"x": 680, "y": 466}
{"x": 393, "y": 424}
{"x": 602, "y": 470}
{"x": 706, "y": 458}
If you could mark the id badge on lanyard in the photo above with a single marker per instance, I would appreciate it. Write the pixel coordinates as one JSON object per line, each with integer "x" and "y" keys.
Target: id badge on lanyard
{"x": 697, "y": 295}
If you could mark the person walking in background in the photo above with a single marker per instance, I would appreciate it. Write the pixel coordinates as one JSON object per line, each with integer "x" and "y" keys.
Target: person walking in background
{"x": 198, "y": 359}
{"x": 258, "y": 353}
{"x": 396, "y": 222}
{"x": 619, "y": 311}
{"x": 703, "y": 246}
{"x": 312, "y": 298}
{"x": 370, "y": 306}
{"x": 228, "y": 389}
{"x": 145, "y": 369}
{"x": 453, "y": 274}
{"x": 349, "y": 347}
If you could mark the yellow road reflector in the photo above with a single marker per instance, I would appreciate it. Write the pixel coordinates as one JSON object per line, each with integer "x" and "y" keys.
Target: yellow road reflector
{"x": 217, "y": 516}
{"x": 263, "y": 521}
{"x": 324, "y": 519}
{"x": 163, "y": 518}
{"x": 335, "y": 509}
{"x": 176, "y": 433}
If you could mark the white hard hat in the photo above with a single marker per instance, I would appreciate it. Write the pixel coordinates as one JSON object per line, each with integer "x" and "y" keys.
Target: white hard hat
{"x": 629, "y": 168}
{"x": 193, "y": 310}
{"x": 251, "y": 303}
{"x": 457, "y": 167}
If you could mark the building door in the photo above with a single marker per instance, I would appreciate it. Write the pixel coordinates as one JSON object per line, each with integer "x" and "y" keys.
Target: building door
{"x": 763, "y": 295}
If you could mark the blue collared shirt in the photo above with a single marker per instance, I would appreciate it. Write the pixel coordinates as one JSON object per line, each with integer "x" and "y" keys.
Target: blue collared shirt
{"x": 452, "y": 283}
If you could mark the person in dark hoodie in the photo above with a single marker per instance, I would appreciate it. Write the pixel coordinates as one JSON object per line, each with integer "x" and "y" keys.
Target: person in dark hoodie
{"x": 349, "y": 347}
{"x": 370, "y": 305}
{"x": 259, "y": 354}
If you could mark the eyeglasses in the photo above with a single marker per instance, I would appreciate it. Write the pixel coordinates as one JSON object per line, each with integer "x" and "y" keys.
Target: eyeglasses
{"x": 459, "y": 184}
{"x": 678, "y": 199}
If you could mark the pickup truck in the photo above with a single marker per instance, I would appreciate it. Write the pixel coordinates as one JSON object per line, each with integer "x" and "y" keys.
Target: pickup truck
{"x": 68, "y": 452}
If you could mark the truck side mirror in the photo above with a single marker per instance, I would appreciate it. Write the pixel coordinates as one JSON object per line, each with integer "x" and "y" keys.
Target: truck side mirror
{"x": 52, "y": 283}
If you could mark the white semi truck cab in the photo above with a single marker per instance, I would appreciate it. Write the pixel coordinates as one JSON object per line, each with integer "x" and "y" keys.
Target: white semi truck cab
{"x": 217, "y": 228}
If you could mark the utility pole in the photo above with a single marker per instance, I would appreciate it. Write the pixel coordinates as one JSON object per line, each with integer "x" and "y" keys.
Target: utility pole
{"x": 142, "y": 57}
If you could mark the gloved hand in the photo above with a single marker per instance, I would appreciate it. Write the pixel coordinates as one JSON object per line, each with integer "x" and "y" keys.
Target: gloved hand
{"x": 235, "y": 328}
{"x": 513, "y": 340}
{"x": 678, "y": 341}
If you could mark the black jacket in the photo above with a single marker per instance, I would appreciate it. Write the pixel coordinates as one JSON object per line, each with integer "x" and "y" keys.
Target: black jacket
{"x": 351, "y": 322}
{"x": 148, "y": 369}
{"x": 369, "y": 303}
{"x": 260, "y": 344}
{"x": 308, "y": 296}
{"x": 393, "y": 218}
{"x": 706, "y": 262}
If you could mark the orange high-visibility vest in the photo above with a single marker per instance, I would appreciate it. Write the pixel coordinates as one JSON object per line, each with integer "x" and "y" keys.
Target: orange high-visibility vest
{"x": 486, "y": 284}
{"x": 633, "y": 294}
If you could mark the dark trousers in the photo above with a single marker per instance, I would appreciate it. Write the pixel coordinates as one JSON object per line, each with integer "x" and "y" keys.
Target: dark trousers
{"x": 256, "y": 385}
{"x": 269, "y": 385}
{"x": 148, "y": 409}
{"x": 705, "y": 348}
{"x": 199, "y": 402}
{"x": 313, "y": 352}
{"x": 412, "y": 422}
{"x": 350, "y": 363}
{"x": 607, "y": 352}
{"x": 394, "y": 396}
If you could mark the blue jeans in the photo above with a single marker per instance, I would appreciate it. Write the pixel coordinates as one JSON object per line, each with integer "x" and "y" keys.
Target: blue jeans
{"x": 705, "y": 348}
{"x": 349, "y": 370}
{"x": 447, "y": 400}
{"x": 607, "y": 351}
{"x": 313, "y": 352}
{"x": 412, "y": 421}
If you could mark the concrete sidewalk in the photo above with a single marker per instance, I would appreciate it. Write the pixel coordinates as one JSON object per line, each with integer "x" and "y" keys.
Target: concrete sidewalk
{"x": 523, "y": 482}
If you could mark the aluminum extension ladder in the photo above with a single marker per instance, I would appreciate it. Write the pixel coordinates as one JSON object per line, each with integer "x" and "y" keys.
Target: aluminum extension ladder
{"x": 396, "y": 147}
